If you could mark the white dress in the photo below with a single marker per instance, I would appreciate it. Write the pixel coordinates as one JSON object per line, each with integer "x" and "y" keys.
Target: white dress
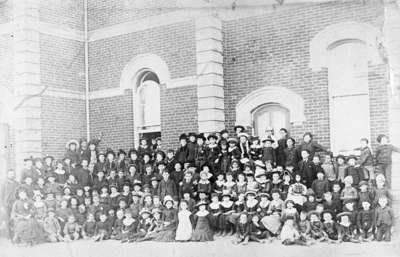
{"x": 184, "y": 229}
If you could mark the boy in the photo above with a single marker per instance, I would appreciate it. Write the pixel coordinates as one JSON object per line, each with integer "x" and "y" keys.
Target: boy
{"x": 306, "y": 169}
{"x": 365, "y": 222}
{"x": 268, "y": 152}
{"x": 340, "y": 167}
{"x": 103, "y": 228}
{"x": 384, "y": 218}
{"x": 242, "y": 230}
{"x": 329, "y": 169}
{"x": 71, "y": 229}
{"x": 330, "y": 205}
{"x": 345, "y": 228}
{"x": 353, "y": 171}
{"x": 89, "y": 227}
{"x": 320, "y": 185}
{"x": 52, "y": 227}
{"x": 364, "y": 194}
{"x": 290, "y": 235}
{"x": 329, "y": 226}
{"x": 366, "y": 160}
{"x": 383, "y": 157}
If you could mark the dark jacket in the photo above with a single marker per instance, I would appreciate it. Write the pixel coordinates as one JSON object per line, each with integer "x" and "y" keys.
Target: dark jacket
{"x": 167, "y": 188}
{"x": 182, "y": 154}
{"x": 383, "y": 154}
{"x": 366, "y": 158}
{"x": 306, "y": 171}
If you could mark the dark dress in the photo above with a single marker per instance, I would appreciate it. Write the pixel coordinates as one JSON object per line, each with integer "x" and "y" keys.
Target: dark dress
{"x": 202, "y": 231}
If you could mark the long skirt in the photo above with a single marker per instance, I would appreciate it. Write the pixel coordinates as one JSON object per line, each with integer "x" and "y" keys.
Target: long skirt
{"x": 272, "y": 223}
{"x": 167, "y": 234}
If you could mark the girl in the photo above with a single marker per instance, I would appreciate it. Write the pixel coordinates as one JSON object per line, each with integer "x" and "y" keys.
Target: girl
{"x": 215, "y": 211}
{"x": 272, "y": 222}
{"x": 71, "y": 229}
{"x": 251, "y": 204}
{"x": 252, "y": 184}
{"x": 242, "y": 230}
{"x": 223, "y": 157}
{"x": 202, "y": 228}
{"x": 263, "y": 205}
{"x": 297, "y": 192}
{"x": 255, "y": 149}
{"x": 129, "y": 227}
{"x": 289, "y": 212}
{"x": 226, "y": 220}
{"x": 241, "y": 184}
{"x": 169, "y": 218}
{"x": 229, "y": 185}
{"x": 184, "y": 229}
{"x": 219, "y": 184}
{"x": 204, "y": 184}
{"x": 290, "y": 235}
{"x": 89, "y": 227}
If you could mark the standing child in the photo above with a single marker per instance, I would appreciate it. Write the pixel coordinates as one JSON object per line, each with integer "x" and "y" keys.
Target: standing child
{"x": 383, "y": 157}
{"x": 268, "y": 151}
{"x": 184, "y": 229}
{"x": 365, "y": 222}
{"x": 202, "y": 228}
{"x": 384, "y": 219}
{"x": 329, "y": 169}
{"x": 366, "y": 161}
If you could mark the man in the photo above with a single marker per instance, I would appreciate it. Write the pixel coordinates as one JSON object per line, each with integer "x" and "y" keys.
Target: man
{"x": 7, "y": 197}
{"x": 167, "y": 186}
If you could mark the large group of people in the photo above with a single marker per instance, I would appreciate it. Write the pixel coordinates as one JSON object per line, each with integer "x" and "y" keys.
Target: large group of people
{"x": 241, "y": 186}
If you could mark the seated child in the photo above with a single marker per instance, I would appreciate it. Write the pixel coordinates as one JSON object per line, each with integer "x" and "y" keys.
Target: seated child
{"x": 52, "y": 227}
{"x": 242, "y": 230}
{"x": 304, "y": 226}
{"x": 89, "y": 227}
{"x": 103, "y": 228}
{"x": 290, "y": 235}
{"x": 201, "y": 222}
{"x": 146, "y": 224}
{"x": 71, "y": 229}
{"x": 310, "y": 204}
{"x": 316, "y": 230}
{"x": 329, "y": 227}
{"x": 320, "y": 186}
{"x": 346, "y": 233}
{"x": 116, "y": 229}
{"x": 129, "y": 227}
{"x": 257, "y": 232}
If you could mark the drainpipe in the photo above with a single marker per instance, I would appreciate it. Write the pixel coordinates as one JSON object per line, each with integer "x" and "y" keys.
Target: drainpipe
{"x": 87, "y": 70}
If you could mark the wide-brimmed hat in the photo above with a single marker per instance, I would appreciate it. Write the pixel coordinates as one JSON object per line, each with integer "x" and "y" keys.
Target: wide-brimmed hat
{"x": 238, "y": 126}
{"x": 313, "y": 213}
{"x": 72, "y": 141}
{"x": 243, "y": 134}
{"x": 143, "y": 211}
{"x": 212, "y": 136}
{"x": 263, "y": 194}
{"x": 183, "y": 137}
{"x": 201, "y": 203}
{"x": 345, "y": 213}
{"x": 232, "y": 140}
{"x": 250, "y": 192}
{"x": 268, "y": 140}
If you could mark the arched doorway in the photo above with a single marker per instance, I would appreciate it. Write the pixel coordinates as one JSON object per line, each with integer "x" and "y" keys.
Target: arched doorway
{"x": 269, "y": 115}
{"x": 147, "y": 113}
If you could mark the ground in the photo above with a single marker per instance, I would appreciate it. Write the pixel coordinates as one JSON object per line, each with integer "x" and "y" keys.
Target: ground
{"x": 220, "y": 247}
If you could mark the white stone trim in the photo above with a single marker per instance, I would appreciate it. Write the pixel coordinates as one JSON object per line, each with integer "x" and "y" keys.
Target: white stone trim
{"x": 64, "y": 93}
{"x": 106, "y": 93}
{"x": 63, "y": 32}
{"x": 182, "y": 82}
{"x": 270, "y": 94}
{"x": 319, "y": 45}
{"x": 141, "y": 62}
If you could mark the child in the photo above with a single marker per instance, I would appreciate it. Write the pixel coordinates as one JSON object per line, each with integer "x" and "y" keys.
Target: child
{"x": 381, "y": 190}
{"x": 366, "y": 161}
{"x": 202, "y": 229}
{"x": 304, "y": 226}
{"x": 341, "y": 167}
{"x": 215, "y": 211}
{"x": 129, "y": 227}
{"x": 116, "y": 232}
{"x": 329, "y": 169}
{"x": 226, "y": 219}
{"x": 170, "y": 219}
{"x": 310, "y": 204}
{"x": 383, "y": 157}
{"x": 316, "y": 229}
{"x": 89, "y": 227}
{"x": 204, "y": 184}
{"x": 348, "y": 192}
{"x": 52, "y": 227}
{"x": 330, "y": 205}
{"x": 384, "y": 219}
{"x": 251, "y": 204}
{"x": 146, "y": 224}
{"x": 290, "y": 235}
{"x": 272, "y": 222}
{"x": 268, "y": 152}
{"x": 103, "y": 228}
{"x": 364, "y": 194}
{"x": 289, "y": 211}
{"x": 345, "y": 228}
{"x": 184, "y": 229}
{"x": 329, "y": 226}
{"x": 353, "y": 171}
{"x": 365, "y": 222}
{"x": 297, "y": 192}
{"x": 320, "y": 186}
{"x": 242, "y": 230}
{"x": 71, "y": 229}
{"x": 285, "y": 185}
{"x": 257, "y": 233}
{"x": 263, "y": 205}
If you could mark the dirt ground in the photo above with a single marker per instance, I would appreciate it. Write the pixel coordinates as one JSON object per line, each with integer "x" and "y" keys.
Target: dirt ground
{"x": 220, "y": 247}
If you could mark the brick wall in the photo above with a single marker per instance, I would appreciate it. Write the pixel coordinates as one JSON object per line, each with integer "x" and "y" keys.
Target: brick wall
{"x": 62, "y": 119}
{"x": 178, "y": 114}
{"x": 68, "y": 13}
{"x": 273, "y": 50}
{"x": 62, "y": 63}
{"x": 110, "y": 12}
{"x": 175, "y": 44}
{"x": 113, "y": 117}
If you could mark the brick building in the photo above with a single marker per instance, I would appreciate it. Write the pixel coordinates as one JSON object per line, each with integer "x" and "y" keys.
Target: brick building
{"x": 72, "y": 69}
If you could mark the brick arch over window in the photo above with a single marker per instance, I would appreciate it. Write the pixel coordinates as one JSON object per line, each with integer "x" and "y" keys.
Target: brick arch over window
{"x": 270, "y": 94}
{"x": 134, "y": 69}
{"x": 322, "y": 42}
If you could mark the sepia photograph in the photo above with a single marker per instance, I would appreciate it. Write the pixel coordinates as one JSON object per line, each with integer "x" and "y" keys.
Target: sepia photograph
{"x": 196, "y": 128}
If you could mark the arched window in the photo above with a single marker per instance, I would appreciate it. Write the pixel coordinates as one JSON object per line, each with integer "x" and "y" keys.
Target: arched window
{"x": 148, "y": 104}
{"x": 269, "y": 115}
